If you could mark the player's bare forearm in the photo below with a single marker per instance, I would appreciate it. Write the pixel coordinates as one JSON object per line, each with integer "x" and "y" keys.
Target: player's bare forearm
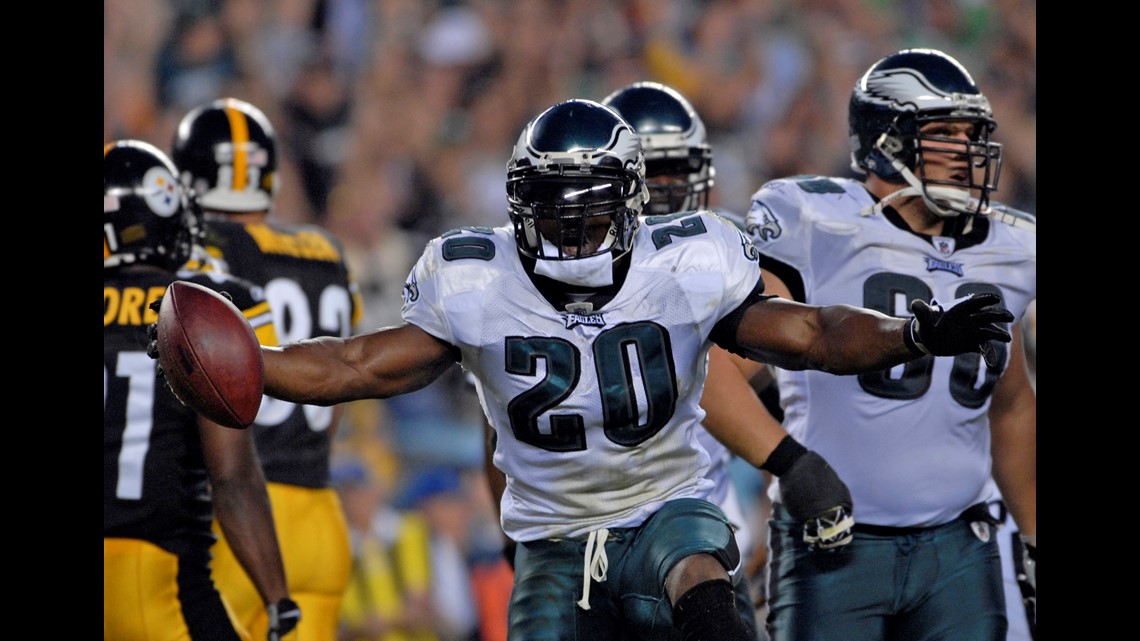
{"x": 241, "y": 505}
{"x": 1013, "y": 433}
{"x": 734, "y": 414}
{"x": 840, "y": 339}
{"x": 378, "y": 364}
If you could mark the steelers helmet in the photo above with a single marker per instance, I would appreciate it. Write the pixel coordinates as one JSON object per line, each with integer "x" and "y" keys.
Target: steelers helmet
{"x": 147, "y": 216}
{"x": 227, "y": 152}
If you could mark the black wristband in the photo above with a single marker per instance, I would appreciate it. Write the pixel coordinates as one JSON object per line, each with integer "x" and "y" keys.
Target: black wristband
{"x": 786, "y": 453}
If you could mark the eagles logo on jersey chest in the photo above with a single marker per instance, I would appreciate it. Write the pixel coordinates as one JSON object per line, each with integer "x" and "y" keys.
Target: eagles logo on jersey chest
{"x": 573, "y": 319}
{"x": 936, "y": 264}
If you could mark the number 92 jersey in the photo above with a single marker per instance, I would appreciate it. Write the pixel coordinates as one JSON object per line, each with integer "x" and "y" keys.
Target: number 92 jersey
{"x": 925, "y": 421}
{"x": 595, "y": 410}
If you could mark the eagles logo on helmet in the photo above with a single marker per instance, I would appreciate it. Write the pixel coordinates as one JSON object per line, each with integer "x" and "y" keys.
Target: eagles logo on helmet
{"x": 889, "y": 106}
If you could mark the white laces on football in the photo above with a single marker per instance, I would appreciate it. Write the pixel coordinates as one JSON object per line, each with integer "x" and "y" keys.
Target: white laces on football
{"x": 596, "y": 564}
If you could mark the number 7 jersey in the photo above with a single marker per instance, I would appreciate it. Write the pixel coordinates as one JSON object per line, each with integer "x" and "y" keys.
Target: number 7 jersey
{"x": 595, "y": 410}
{"x": 921, "y": 426}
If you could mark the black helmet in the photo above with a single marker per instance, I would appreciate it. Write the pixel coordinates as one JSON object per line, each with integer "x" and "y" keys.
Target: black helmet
{"x": 227, "y": 151}
{"x": 675, "y": 143}
{"x": 894, "y": 99}
{"x": 573, "y": 163}
{"x": 147, "y": 217}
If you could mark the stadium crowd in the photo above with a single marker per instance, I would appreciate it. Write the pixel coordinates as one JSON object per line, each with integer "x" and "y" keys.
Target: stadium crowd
{"x": 396, "y": 117}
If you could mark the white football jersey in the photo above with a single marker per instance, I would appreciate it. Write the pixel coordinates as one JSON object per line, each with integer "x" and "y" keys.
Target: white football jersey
{"x": 596, "y": 412}
{"x": 912, "y": 442}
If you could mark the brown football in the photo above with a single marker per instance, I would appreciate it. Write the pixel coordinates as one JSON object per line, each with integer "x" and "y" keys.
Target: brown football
{"x": 210, "y": 355}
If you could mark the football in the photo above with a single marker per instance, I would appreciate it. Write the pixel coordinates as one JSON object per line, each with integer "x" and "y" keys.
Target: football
{"x": 210, "y": 354}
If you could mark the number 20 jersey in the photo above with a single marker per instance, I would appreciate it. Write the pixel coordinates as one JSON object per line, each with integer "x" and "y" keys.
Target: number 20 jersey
{"x": 911, "y": 442}
{"x": 595, "y": 412}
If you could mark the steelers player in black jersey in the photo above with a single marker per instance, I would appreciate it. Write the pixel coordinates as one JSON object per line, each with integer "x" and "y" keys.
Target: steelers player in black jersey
{"x": 227, "y": 153}
{"x": 166, "y": 470}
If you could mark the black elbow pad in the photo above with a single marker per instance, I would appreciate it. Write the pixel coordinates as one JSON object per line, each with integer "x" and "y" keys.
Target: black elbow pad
{"x": 724, "y": 332}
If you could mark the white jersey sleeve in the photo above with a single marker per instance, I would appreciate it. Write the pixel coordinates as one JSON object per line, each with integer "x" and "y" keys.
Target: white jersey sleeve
{"x": 911, "y": 442}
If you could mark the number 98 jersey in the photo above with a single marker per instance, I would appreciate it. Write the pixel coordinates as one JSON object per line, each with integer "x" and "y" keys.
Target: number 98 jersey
{"x": 595, "y": 410}
{"x": 305, "y": 277}
{"x": 817, "y": 227}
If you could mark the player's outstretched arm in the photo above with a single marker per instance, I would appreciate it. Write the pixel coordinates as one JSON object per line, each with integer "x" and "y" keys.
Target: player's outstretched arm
{"x": 377, "y": 364}
{"x": 843, "y": 339}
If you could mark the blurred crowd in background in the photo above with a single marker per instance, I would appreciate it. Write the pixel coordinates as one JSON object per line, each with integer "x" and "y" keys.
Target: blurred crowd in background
{"x": 396, "y": 118}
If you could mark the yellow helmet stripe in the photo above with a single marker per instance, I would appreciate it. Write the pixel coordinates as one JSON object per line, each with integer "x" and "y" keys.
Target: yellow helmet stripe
{"x": 239, "y": 130}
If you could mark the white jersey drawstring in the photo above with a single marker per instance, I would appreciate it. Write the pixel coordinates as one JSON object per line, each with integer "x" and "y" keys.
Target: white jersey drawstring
{"x": 596, "y": 564}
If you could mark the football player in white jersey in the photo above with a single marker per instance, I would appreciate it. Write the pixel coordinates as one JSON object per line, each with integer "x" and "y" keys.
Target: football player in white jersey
{"x": 680, "y": 176}
{"x": 912, "y": 441}
{"x": 587, "y": 329}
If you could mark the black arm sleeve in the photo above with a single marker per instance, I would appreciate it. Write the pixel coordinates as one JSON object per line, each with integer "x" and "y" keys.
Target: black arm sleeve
{"x": 785, "y": 272}
{"x": 724, "y": 332}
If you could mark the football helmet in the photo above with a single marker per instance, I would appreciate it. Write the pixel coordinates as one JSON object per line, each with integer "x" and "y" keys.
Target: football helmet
{"x": 147, "y": 216}
{"x": 889, "y": 106}
{"x": 576, "y": 164}
{"x": 227, "y": 151}
{"x": 678, "y": 158}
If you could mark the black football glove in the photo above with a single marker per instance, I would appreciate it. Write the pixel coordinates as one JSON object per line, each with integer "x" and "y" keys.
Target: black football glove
{"x": 152, "y": 332}
{"x": 813, "y": 494}
{"x": 283, "y": 617}
{"x": 965, "y": 325}
{"x": 1025, "y": 567}
{"x": 152, "y": 344}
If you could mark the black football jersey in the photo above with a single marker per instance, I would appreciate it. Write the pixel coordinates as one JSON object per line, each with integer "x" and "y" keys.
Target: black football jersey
{"x": 155, "y": 483}
{"x": 307, "y": 283}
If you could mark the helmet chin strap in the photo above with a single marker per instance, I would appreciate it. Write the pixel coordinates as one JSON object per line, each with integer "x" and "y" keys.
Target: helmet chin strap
{"x": 591, "y": 271}
{"x": 936, "y": 198}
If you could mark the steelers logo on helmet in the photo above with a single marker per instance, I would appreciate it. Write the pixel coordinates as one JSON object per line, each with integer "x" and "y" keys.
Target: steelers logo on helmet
{"x": 161, "y": 192}
{"x": 147, "y": 217}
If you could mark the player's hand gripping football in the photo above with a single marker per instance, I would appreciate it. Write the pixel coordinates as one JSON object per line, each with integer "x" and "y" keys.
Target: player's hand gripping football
{"x": 152, "y": 329}
{"x": 152, "y": 337}
{"x": 965, "y": 325}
